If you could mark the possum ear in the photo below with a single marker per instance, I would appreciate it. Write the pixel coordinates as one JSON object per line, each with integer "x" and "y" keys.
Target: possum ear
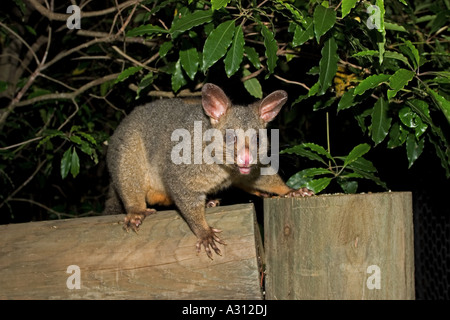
{"x": 271, "y": 105}
{"x": 214, "y": 101}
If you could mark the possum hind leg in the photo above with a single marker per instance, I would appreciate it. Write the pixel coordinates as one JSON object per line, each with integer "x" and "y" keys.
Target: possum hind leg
{"x": 132, "y": 182}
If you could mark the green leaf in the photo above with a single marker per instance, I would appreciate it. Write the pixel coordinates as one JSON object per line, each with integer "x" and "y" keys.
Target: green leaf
{"x": 31, "y": 30}
{"x": 348, "y": 186}
{"x": 322, "y": 104}
{"x": 382, "y": 30}
{"x": 421, "y": 108}
{"x": 298, "y": 180}
{"x": 235, "y": 53}
{"x": 145, "y": 29}
{"x": 420, "y": 128}
{"x": 189, "y": 61}
{"x": 86, "y": 147}
{"x": 443, "y": 156}
{"x": 371, "y": 176}
{"x": 347, "y": 6}
{"x": 312, "y": 172}
{"x": 145, "y": 82}
{"x": 396, "y": 55}
{"x": 75, "y": 163}
{"x": 328, "y": 64}
{"x": 301, "y": 151}
{"x": 38, "y": 92}
{"x": 397, "y": 135}
{"x": 371, "y": 82}
{"x": 414, "y": 148}
{"x": 362, "y": 164}
{"x": 318, "y": 149}
{"x": 189, "y": 21}
{"x": 394, "y": 136}
{"x": 127, "y": 73}
{"x": 412, "y": 120}
{"x": 414, "y": 52}
{"x": 158, "y": 6}
{"x": 22, "y": 6}
{"x": 366, "y": 53}
{"x": 105, "y": 87}
{"x": 301, "y": 35}
{"x": 217, "y": 43}
{"x": 76, "y": 139}
{"x": 317, "y": 185}
{"x": 165, "y": 48}
{"x": 442, "y": 103}
{"x": 324, "y": 19}
{"x": 309, "y": 150}
{"x": 252, "y": 56}
{"x": 252, "y": 85}
{"x": 394, "y": 27}
{"x": 381, "y": 122}
{"x": 398, "y": 81}
{"x": 271, "y": 48}
{"x": 218, "y": 4}
{"x": 296, "y": 14}
{"x": 406, "y": 115}
{"x": 314, "y": 89}
{"x": 49, "y": 135}
{"x": 66, "y": 161}
{"x": 178, "y": 79}
{"x": 347, "y": 100}
{"x": 356, "y": 153}
{"x": 387, "y": 55}
{"x": 299, "y": 99}
{"x": 88, "y": 137}
{"x": 303, "y": 179}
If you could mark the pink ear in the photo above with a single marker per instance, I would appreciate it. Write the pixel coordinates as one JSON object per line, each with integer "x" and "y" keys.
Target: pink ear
{"x": 271, "y": 105}
{"x": 215, "y": 102}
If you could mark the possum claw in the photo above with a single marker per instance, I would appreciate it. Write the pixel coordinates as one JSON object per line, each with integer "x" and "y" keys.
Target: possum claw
{"x": 134, "y": 220}
{"x": 212, "y": 203}
{"x": 302, "y": 192}
{"x": 208, "y": 242}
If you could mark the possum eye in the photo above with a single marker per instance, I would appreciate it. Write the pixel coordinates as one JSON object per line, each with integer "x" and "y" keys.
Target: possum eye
{"x": 255, "y": 140}
{"x": 230, "y": 137}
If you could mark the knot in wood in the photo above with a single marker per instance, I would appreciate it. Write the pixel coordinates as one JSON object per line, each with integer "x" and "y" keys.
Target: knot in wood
{"x": 287, "y": 230}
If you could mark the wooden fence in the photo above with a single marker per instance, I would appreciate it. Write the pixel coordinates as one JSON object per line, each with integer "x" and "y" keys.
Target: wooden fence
{"x": 323, "y": 247}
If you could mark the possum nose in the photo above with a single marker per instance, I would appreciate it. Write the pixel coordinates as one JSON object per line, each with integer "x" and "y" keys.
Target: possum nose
{"x": 244, "y": 158}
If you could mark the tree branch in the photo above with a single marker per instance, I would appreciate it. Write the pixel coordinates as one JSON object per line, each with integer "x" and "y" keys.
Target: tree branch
{"x": 68, "y": 95}
{"x": 134, "y": 60}
{"x": 63, "y": 17}
{"x": 292, "y": 82}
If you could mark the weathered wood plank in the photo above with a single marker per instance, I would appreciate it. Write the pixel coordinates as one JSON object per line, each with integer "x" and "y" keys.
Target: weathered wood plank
{"x": 158, "y": 263}
{"x": 321, "y": 247}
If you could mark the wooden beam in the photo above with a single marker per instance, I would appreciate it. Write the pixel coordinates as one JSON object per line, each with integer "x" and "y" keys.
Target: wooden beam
{"x": 340, "y": 247}
{"x": 158, "y": 263}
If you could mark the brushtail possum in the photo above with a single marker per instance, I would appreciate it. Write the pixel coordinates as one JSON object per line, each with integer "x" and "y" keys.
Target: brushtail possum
{"x": 149, "y": 166}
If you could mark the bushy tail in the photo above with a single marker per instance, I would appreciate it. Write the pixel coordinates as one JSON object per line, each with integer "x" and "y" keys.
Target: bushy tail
{"x": 113, "y": 204}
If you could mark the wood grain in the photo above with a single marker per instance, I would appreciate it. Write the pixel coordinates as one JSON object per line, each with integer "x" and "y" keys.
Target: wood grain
{"x": 158, "y": 263}
{"x": 321, "y": 247}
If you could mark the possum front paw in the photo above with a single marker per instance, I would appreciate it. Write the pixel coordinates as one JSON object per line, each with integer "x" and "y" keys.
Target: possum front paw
{"x": 208, "y": 241}
{"x": 134, "y": 220}
{"x": 302, "y": 192}
{"x": 212, "y": 203}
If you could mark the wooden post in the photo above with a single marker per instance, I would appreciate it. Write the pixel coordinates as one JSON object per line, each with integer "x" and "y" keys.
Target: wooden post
{"x": 340, "y": 247}
{"x": 158, "y": 263}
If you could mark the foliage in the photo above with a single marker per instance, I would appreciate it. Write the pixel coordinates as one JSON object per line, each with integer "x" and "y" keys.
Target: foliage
{"x": 392, "y": 75}
{"x": 383, "y": 65}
